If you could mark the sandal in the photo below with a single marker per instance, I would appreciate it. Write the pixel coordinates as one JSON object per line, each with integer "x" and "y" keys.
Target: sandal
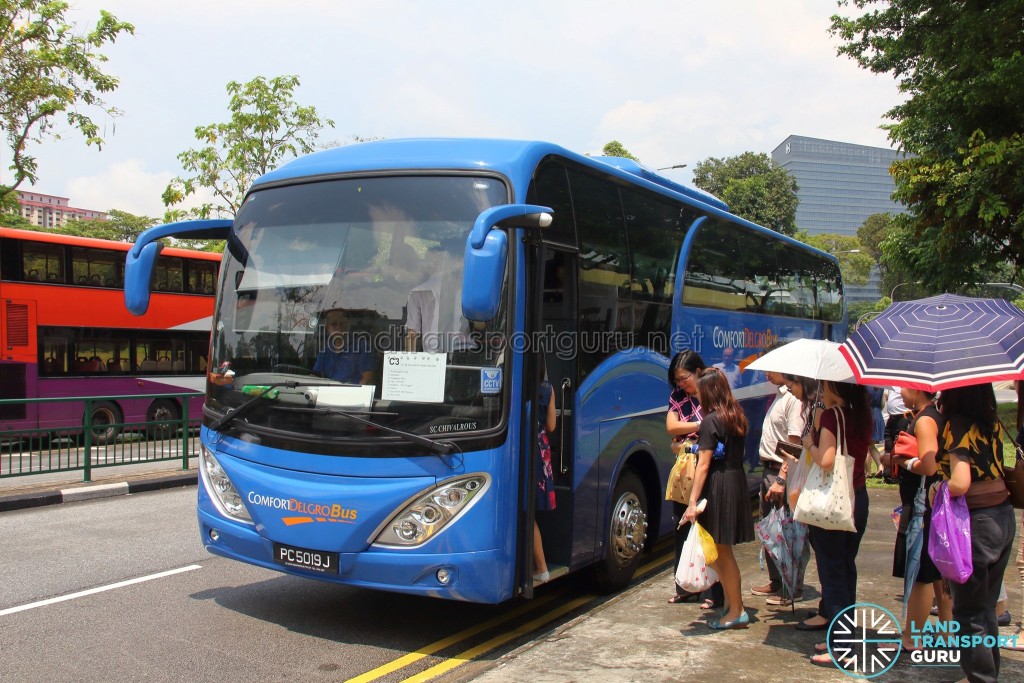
{"x": 679, "y": 599}
{"x": 711, "y": 604}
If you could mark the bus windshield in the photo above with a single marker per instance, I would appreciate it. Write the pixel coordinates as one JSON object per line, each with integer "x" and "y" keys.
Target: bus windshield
{"x": 349, "y": 290}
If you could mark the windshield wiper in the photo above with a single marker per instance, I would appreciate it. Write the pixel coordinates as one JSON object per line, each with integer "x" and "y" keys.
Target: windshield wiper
{"x": 264, "y": 390}
{"x": 438, "y": 447}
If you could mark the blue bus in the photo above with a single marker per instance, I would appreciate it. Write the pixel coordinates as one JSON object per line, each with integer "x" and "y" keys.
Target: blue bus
{"x": 448, "y": 277}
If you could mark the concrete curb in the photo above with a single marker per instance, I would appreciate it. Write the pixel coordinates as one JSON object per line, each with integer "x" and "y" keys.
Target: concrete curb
{"x": 78, "y": 493}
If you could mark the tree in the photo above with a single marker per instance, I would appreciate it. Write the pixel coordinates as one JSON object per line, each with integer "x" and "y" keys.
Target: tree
{"x": 49, "y": 72}
{"x": 267, "y": 126}
{"x": 855, "y": 267}
{"x": 120, "y": 226}
{"x": 754, "y": 187}
{"x": 616, "y": 149}
{"x": 961, "y": 67}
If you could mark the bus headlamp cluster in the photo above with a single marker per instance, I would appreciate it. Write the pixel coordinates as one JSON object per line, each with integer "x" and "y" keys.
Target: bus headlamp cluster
{"x": 224, "y": 494}
{"x": 432, "y": 511}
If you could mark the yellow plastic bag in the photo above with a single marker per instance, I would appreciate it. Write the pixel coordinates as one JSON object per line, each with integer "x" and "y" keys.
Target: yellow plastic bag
{"x": 707, "y": 543}
{"x": 680, "y": 478}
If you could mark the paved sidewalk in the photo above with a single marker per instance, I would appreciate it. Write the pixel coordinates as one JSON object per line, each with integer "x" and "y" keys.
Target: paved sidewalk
{"x": 59, "y": 487}
{"x": 638, "y": 636}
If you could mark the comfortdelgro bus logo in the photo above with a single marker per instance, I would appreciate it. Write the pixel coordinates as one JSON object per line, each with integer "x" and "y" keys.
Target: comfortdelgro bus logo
{"x": 308, "y": 512}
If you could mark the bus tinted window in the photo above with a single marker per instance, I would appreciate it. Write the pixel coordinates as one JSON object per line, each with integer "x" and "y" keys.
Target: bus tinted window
{"x": 734, "y": 268}
{"x": 167, "y": 276}
{"x": 656, "y": 231}
{"x": 97, "y": 267}
{"x": 605, "y": 305}
{"x": 43, "y": 262}
{"x": 550, "y": 187}
{"x": 202, "y": 276}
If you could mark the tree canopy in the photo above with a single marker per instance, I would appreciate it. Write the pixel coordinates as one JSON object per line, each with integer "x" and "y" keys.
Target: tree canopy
{"x": 961, "y": 66}
{"x": 49, "y": 72}
{"x": 617, "y": 149}
{"x": 754, "y": 187}
{"x": 266, "y": 128}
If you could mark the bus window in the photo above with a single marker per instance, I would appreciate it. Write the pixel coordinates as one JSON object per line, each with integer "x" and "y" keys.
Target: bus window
{"x": 202, "y": 276}
{"x": 55, "y": 356}
{"x": 96, "y": 267}
{"x": 167, "y": 276}
{"x": 731, "y": 268}
{"x": 44, "y": 262}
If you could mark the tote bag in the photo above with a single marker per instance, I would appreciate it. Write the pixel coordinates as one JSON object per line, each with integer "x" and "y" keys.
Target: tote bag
{"x": 826, "y": 500}
{"x": 680, "y": 478}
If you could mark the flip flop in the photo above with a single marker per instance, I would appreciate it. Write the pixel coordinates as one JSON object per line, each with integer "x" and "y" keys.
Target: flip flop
{"x": 710, "y": 604}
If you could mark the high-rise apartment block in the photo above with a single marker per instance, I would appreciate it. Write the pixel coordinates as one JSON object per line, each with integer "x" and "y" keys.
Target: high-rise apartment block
{"x": 50, "y": 211}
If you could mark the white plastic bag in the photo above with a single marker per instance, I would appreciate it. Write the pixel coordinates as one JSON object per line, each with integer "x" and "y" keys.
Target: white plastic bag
{"x": 693, "y": 574}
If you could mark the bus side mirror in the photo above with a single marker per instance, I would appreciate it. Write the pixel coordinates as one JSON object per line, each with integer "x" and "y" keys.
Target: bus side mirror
{"x": 141, "y": 258}
{"x": 487, "y": 252}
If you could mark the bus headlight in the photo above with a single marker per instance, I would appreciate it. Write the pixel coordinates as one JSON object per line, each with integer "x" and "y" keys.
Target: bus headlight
{"x": 430, "y": 512}
{"x": 224, "y": 494}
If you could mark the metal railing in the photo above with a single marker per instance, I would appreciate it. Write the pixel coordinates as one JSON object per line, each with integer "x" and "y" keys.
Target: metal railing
{"x": 101, "y": 443}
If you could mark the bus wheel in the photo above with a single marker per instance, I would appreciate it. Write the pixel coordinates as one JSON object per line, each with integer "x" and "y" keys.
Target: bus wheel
{"x": 162, "y": 418}
{"x": 106, "y": 422}
{"x": 627, "y": 533}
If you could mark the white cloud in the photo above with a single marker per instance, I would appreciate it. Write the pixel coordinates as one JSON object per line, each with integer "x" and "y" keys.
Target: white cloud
{"x": 125, "y": 186}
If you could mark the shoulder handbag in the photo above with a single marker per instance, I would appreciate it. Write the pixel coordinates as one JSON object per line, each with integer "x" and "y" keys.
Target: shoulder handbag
{"x": 905, "y": 445}
{"x": 826, "y": 500}
{"x": 1013, "y": 477}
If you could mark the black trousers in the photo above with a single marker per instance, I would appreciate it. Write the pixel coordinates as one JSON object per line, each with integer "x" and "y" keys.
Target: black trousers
{"x": 974, "y": 602}
{"x": 835, "y": 553}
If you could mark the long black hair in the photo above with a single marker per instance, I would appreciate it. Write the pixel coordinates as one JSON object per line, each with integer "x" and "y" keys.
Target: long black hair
{"x": 688, "y": 360}
{"x": 976, "y": 402}
{"x": 855, "y": 396}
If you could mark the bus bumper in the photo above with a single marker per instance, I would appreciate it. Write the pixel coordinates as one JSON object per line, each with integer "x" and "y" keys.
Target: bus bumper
{"x": 479, "y": 576}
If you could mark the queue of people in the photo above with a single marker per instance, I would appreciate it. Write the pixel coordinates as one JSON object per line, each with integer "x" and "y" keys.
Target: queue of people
{"x": 956, "y": 439}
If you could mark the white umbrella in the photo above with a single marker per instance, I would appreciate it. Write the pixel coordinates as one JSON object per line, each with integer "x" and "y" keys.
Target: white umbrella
{"x": 814, "y": 358}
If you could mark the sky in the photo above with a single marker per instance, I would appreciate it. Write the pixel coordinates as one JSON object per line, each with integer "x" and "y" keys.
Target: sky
{"x": 675, "y": 81}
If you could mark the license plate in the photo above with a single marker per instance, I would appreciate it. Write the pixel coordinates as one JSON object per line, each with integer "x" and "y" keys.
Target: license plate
{"x": 313, "y": 560}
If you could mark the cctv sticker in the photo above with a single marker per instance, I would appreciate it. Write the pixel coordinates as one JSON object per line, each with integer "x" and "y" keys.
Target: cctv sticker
{"x": 490, "y": 380}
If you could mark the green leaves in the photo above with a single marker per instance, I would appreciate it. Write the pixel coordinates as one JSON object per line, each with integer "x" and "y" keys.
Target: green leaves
{"x": 266, "y": 128}
{"x": 48, "y": 69}
{"x": 754, "y": 187}
{"x": 961, "y": 66}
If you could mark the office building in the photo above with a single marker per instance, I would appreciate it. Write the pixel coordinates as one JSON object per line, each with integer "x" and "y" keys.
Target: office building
{"x": 839, "y": 186}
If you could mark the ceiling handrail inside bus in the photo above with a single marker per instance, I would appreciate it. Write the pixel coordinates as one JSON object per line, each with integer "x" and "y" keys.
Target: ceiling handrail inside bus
{"x": 140, "y": 259}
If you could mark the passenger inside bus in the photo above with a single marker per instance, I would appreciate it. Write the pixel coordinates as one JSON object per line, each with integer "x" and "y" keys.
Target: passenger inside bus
{"x": 343, "y": 356}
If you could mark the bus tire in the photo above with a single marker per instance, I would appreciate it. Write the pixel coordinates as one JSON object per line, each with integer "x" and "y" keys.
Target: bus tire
{"x": 162, "y": 418}
{"x": 107, "y": 422}
{"x": 627, "y": 534}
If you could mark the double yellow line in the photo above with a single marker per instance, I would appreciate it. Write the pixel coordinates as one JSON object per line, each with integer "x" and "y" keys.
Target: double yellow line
{"x": 495, "y": 642}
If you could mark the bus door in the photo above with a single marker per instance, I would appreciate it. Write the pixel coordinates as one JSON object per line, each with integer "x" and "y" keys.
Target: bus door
{"x": 18, "y": 371}
{"x": 559, "y": 327}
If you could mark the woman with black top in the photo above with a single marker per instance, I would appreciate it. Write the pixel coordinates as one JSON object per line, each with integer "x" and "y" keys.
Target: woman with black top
{"x": 921, "y": 472}
{"x": 723, "y": 483}
{"x": 972, "y": 463}
{"x": 681, "y": 423}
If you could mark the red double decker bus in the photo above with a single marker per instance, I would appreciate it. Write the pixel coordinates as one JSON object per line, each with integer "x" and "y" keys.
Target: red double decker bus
{"x": 64, "y": 332}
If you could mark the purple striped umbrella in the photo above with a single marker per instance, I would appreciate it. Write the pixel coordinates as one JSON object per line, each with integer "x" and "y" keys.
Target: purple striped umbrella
{"x": 939, "y": 343}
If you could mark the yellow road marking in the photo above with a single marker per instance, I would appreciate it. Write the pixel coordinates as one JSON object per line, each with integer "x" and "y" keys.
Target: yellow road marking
{"x": 497, "y": 641}
{"x": 430, "y": 649}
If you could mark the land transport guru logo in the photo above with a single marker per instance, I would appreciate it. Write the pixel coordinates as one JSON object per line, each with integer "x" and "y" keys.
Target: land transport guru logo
{"x": 864, "y": 641}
